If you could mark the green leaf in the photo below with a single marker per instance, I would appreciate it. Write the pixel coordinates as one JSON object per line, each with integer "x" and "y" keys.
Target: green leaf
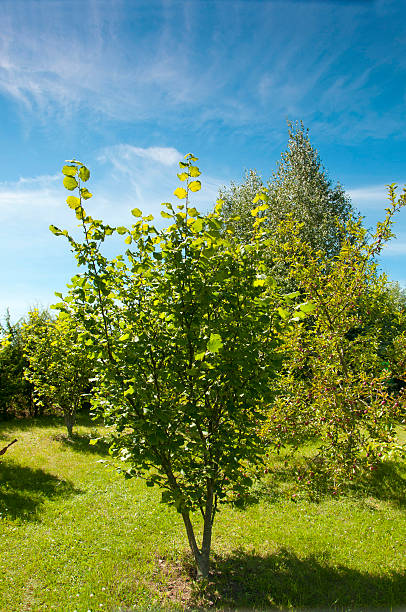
{"x": 283, "y": 313}
{"x": 192, "y": 212}
{"x": 121, "y": 230}
{"x": 85, "y": 193}
{"x": 55, "y": 230}
{"x": 73, "y": 202}
{"x": 180, "y": 193}
{"x": 70, "y": 183}
{"x": 69, "y": 170}
{"x": 124, "y": 337}
{"x": 136, "y": 212}
{"x": 200, "y": 356}
{"x": 292, "y": 295}
{"x": 215, "y": 343}
{"x": 195, "y": 186}
{"x": 197, "y": 225}
{"x": 307, "y": 307}
{"x": 165, "y": 215}
{"x": 84, "y": 173}
{"x": 194, "y": 171}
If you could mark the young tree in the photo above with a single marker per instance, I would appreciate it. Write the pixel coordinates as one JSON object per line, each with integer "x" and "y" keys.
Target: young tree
{"x": 182, "y": 327}
{"x": 334, "y": 384}
{"x": 58, "y": 364}
{"x": 15, "y": 391}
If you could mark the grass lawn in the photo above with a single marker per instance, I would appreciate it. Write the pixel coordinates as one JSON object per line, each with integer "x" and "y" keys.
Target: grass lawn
{"x": 74, "y": 535}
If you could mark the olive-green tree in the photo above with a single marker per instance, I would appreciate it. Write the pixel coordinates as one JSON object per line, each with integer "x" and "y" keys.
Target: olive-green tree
{"x": 333, "y": 387}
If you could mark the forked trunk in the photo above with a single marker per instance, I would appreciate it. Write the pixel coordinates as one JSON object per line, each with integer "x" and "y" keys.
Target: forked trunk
{"x": 202, "y": 557}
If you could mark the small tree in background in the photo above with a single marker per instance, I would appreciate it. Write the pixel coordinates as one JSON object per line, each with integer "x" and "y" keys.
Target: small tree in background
{"x": 334, "y": 384}
{"x": 183, "y": 327}
{"x": 58, "y": 364}
{"x": 15, "y": 390}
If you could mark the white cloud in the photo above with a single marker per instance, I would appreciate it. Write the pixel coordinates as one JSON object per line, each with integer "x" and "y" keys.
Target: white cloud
{"x": 397, "y": 246}
{"x": 145, "y": 177}
{"x": 123, "y": 155}
{"x": 29, "y": 198}
{"x": 370, "y": 196}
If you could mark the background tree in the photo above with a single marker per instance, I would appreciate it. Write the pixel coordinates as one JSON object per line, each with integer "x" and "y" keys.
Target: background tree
{"x": 182, "y": 327}
{"x": 58, "y": 365}
{"x": 334, "y": 383}
{"x": 237, "y": 205}
{"x": 300, "y": 186}
{"x": 15, "y": 390}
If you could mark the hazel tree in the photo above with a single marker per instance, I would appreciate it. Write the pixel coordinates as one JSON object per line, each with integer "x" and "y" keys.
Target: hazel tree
{"x": 181, "y": 326}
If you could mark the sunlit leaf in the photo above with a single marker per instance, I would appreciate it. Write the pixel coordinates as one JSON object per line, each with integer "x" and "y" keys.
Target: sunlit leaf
{"x": 70, "y": 183}
{"x": 180, "y": 193}
{"x": 85, "y": 193}
{"x": 73, "y": 202}
{"x": 195, "y": 186}
{"x": 69, "y": 170}
{"x": 215, "y": 343}
{"x": 194, "y": 171}
{"x": 84, "y": 173}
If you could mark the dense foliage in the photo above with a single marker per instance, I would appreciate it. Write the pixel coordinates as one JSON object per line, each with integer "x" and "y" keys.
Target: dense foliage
{"x": 337, "y": 365}
{"x": 15, "y": 391}
{"x": 184, "y": 327}
{"x": 58, "y": 364}
{"x": 300, "y": 187}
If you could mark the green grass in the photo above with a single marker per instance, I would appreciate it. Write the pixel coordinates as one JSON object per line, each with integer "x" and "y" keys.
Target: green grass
{"x": 74, "y": 535}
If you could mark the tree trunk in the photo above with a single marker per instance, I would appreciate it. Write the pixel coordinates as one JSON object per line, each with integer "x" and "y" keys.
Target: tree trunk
{"x": 69, "y": 421}
{"x": 202, "y": 557}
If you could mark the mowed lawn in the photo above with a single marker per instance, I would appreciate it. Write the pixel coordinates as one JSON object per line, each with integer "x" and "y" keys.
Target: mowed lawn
{"x": 75, "y": 535}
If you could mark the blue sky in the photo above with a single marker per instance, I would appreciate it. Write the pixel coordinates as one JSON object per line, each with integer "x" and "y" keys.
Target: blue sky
{"x": 129, "y": 87}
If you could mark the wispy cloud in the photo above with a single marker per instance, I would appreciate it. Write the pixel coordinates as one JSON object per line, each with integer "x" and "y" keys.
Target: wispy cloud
{"x": 166, "y": 64}
{"x": 369, "y": 196}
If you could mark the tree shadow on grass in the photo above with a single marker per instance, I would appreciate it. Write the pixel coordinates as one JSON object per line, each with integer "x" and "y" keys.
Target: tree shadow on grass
{"x": 81, "y": 444}
{"x": 23, "y": 490}
{"x": 244, "y": 581}
{"x": 386, "y": 483}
